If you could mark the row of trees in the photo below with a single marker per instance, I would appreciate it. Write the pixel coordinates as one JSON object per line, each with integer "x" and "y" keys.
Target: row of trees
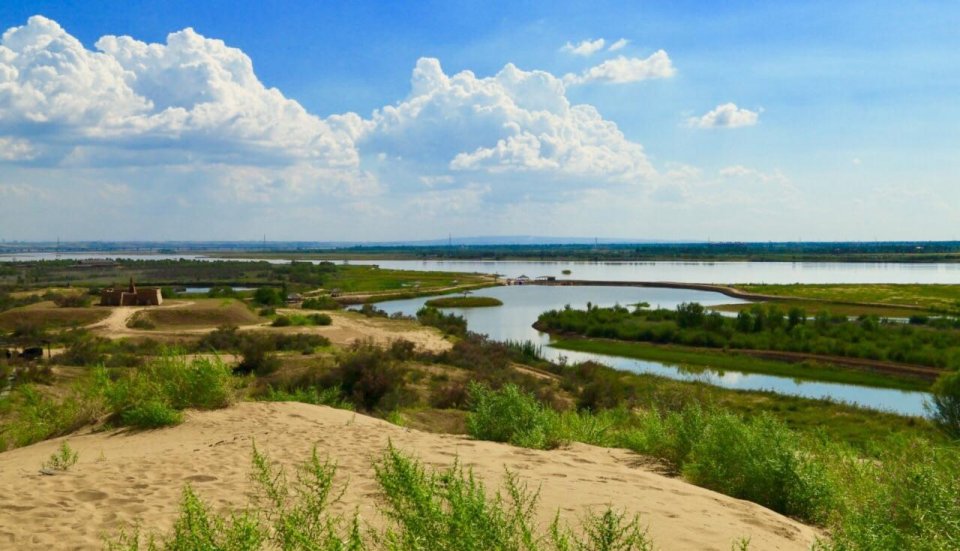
{"x": 766, "y": 327}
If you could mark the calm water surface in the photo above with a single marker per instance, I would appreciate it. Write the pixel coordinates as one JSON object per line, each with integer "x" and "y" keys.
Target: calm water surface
{"x": 686, "y": 272}
{"x": 523, "y": 304}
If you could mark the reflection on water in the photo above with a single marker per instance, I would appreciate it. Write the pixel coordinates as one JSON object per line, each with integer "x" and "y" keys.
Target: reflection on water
{"x": 522, "y": 305}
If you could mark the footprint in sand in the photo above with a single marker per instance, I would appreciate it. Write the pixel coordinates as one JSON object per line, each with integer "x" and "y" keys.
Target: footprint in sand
{"x": 91, "y": 495}
{"x": 200, "y": 478}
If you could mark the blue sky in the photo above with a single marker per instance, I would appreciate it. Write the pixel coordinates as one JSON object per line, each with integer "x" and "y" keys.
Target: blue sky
{"x": 742, "y": 121}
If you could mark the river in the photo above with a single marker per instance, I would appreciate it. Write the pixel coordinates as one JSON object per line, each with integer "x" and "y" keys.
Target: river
{"x": 523, "y": 304}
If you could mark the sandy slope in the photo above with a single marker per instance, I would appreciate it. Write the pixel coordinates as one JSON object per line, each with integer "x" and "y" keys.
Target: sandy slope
{"x": 137, "y": 477}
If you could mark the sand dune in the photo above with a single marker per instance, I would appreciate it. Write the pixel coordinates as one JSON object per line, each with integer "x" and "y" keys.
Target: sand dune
{"x": 137, "y": 477}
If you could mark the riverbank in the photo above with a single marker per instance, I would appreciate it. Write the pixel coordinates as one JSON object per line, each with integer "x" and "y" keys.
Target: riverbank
{"x": 802, "y": 367}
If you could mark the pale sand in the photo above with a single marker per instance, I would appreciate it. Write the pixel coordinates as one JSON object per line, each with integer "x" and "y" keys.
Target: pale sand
{"x": 127, "y": 477}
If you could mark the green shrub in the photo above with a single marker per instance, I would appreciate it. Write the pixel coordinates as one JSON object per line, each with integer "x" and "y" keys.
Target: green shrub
{"x": 944, "y": 403}
{"x": 905, "y": 499}
{"x": 153, "y": 395}
{"x": 320, "y": 319}
{"x": 150, "y": 415}
{"x": 320, "y": 303}
{"x": 268, "y": 296}
{"x": 450, "y": 324}
{"x": 63, "y": 459}
{"x": 37, "y": 416}
{"x": 371, "y": 378}
{"x": 256, "y": 357}
{"x": 282, "y": 321}
{"x": 759, "y": 460}
{"x": 511, "y": 415}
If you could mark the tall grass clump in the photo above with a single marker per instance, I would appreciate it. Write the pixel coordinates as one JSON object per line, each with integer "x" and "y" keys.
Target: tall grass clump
{"x": 759, "y": 459}
{"x": 154, "y": 395}
{"x": 37, "y": 416}
{"x": 451, "y": 510}
{"x": 282, "y": 515}
{"x": 511, "y": 415}
{"x": 908, "y": 498}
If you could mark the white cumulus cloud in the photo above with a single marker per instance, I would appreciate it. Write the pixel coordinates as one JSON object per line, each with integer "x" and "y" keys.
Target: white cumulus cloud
{"x": 626, "y": 69}
{"x": 513, "y": 122}
{"x": 190, "y": 100}
{"x": 618, "y": 45}
{"x": 727, "y": 115}
{"x": 585, "y": 47}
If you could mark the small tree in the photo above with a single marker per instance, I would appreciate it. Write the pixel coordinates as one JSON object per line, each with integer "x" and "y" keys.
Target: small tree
{"x": 944, "y": 403}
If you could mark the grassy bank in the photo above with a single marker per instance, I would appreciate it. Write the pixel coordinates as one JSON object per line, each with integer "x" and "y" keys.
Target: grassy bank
{"x": 851, "y": 310}
{"x": 937, "y": 298}
{"x": 464, "y": 302}
{"x": 695, "y": 358}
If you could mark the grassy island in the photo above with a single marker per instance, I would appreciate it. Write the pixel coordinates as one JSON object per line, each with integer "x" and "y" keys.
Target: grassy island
{"x": 464, "y": 302}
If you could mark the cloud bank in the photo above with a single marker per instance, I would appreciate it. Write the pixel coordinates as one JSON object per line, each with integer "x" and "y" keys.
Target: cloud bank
{"x": 727, "y": 115}
{"x": 187, "y": 127}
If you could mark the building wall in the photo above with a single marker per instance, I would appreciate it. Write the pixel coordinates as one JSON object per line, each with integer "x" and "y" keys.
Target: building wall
{"x": 121, "y": 297}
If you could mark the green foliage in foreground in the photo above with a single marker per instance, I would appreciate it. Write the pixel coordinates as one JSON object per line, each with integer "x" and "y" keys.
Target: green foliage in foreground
{"x": 143, "y": 397}
{"x": 426, "y": 510}
{"x": 905, "y": 498}
{"x": 464, "y": 302}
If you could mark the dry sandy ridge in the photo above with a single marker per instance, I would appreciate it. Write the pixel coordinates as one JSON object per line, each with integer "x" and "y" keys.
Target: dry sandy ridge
{"x": 127, "y": 477}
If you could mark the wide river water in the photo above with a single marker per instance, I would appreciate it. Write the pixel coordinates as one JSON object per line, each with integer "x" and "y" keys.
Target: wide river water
{"x": 522, "y": 305}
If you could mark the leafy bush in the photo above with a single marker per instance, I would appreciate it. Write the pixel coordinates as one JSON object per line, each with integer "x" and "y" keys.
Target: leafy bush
{"x": 153, "y": 395}
{"x": 282, "y": 321}
{"x": 320, "y": 319}
{"x": 450, "y": 324}
{"x": 269, "y": 296}
{"x": 759, "y": 460}
{"x": 38, "y": 416}
{"x": 64, "y": 458}
{"x": 510, "y": 415}
{"x": 371, "y": 378}
{"x": 905, "y": 499}
{"x": 944, "y": 403}
{"x": 320, "y": 303}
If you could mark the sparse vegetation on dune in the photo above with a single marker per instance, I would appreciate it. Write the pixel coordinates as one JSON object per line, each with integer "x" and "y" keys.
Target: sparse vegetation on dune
{"x": 425, "y": 508}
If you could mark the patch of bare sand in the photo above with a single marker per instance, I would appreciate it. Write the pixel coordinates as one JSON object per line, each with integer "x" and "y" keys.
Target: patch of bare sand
{"x": 349, "y": 327}
{"x": 125, "y": 478}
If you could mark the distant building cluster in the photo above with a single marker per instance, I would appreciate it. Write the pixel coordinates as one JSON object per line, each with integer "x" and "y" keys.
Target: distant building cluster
{"x": 131, "y": 296}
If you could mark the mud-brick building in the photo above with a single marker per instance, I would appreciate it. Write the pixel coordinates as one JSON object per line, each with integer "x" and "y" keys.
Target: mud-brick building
{"x": 131, "y": 296}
